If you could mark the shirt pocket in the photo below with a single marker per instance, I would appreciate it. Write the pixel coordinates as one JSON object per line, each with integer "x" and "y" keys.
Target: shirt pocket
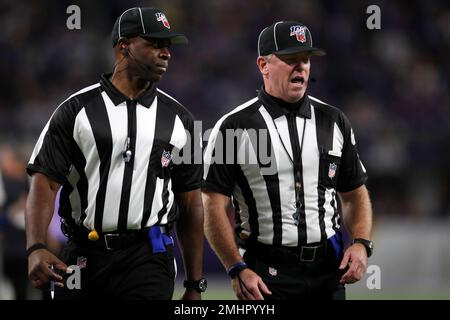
{"x": 329, "y": 169}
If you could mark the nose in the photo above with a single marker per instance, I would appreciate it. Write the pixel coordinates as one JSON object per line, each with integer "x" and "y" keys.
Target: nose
{"x": 164, "y": 53}
{"x": 300, "y": 65}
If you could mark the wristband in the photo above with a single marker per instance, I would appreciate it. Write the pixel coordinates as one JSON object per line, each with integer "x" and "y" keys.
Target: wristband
{"x": 35, "y": 247}
{"x": 235, "y": 269}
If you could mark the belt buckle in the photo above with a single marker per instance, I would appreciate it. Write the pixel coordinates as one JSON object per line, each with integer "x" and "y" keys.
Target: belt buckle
{"x": 307, "y": 249}
{"x": 110, "y": 236}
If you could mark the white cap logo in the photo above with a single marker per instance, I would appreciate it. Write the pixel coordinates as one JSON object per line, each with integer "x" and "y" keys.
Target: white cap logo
{"x": 299, "y": 33}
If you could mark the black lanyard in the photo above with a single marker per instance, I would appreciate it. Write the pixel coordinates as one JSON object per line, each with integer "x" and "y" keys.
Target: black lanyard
{"x": 296, "y": 167}
{"x": 284, "y": 146}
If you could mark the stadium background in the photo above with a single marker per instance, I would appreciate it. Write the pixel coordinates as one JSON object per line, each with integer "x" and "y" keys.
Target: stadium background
{"x": 392, "y": 83}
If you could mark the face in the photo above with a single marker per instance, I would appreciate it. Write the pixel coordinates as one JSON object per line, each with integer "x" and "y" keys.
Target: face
{"x": 148, "y": 59}
{"x": 286, "y": 76}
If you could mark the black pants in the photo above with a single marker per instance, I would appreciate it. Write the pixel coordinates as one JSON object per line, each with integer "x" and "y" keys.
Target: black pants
{"x": 288, "y": 278}
{"x": 132, "y": 273}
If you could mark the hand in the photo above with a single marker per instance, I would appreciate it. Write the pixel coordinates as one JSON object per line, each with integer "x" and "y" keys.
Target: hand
{"x": 191, "y": 294}
{"x": 249, "y": 286}
{"x": 39, "y": 271}
{"x": 355, "y": 257}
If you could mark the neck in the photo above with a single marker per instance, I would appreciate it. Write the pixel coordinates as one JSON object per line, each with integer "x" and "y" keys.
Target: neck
{"x": 131, "y": 86}
{"x": 280, "y": 98}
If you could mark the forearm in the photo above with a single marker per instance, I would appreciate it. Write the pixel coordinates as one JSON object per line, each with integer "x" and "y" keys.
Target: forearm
{"x": 219, "y": 233}
{"x": 190, "y": 234}
{"x": 357, "y": 211}
{"x": 39, "y": 209}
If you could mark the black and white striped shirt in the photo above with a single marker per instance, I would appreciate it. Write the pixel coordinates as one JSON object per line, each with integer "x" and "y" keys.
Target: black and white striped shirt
{"x": 268, "y": 208}
{"x": 82, "y": 147}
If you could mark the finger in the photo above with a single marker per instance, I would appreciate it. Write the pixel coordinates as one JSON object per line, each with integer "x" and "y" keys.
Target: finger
{"x": 59, "y": 265}
{"x": 256, "y": 293}
{"x": 263, "y": 287}
{"x": 59, "y": 284}
{"x": 344, "y": 261}
{"x": 36, "y": 283}
{"x": 237, "y": 289}
{"x": 345, "y": 278}
{"x": 354, "y": 266}
{"x": 51, "y": 275}
{"x": 349, "y": 277}
{"x": 359, "y": 273}
{"x": 247, "y": 294}
{"x": 42, "y": 277}
{"x": 245, "y": 290}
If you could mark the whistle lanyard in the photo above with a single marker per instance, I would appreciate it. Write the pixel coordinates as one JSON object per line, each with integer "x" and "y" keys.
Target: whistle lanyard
{"x": 296, "y": 165}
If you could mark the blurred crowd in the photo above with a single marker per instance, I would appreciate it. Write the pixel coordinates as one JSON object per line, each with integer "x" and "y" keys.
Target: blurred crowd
{"x": 392, "y": 83}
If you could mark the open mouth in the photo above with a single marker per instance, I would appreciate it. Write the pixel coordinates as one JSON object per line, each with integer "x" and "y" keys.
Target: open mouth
{"x": 298, "y": 79}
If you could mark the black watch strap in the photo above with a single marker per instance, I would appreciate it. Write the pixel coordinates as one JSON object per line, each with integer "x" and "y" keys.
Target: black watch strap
{"x": 35, "y": 247}
{"x": 367, "y": 244}
{"x": 198, "y": 285}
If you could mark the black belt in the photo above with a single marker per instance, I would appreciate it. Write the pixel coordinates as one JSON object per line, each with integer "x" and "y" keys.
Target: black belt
{"x": 116, "y": 241}
{"x": 112, "y": 241}
{"x": 308, "y": 253}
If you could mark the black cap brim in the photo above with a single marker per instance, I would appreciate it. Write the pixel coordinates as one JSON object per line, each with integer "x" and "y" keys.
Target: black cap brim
{"x": 175, "y": 38}
{"x": 313, "y": 51}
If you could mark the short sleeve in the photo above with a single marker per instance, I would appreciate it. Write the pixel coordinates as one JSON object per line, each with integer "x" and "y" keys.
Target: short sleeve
{"x": 220, "y": 174}
{"x": 187, "y": 175}
{"x": 52, "y": 154}
{"x": 352, "y": 173}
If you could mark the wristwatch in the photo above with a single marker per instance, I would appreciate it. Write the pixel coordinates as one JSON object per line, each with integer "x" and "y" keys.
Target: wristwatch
{"x": 367, "y": 244}
{"x": 198, "y": 285}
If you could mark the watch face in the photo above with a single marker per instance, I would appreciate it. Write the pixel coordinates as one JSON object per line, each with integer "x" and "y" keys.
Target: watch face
{"x": 202, "y": 285}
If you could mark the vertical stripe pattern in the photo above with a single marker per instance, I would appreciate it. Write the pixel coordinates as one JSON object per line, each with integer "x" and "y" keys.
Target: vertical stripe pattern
{"x": 265, "y": 201}
{"x": 102, "y": 190}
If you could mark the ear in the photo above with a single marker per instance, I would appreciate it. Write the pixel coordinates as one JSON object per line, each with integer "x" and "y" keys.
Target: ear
{"x": 262, "y": 63}
{"x": 123, "y": 46}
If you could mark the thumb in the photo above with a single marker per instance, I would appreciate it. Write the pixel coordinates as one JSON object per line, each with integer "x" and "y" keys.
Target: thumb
{"x": 345, "y": 260}
{"x": 263, "y": 287}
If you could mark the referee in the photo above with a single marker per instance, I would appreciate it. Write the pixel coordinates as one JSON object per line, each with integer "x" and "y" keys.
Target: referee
{"x": 110, "y": 147}
{"x": 288, "y": 230}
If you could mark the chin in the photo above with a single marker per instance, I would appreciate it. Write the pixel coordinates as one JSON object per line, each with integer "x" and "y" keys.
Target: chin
{"x": 297, "y": 96}
{"x": 153, "y": 78}
{"x": 300, "y": 93}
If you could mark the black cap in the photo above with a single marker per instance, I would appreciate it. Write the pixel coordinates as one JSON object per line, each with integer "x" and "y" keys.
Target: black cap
{"x": 145, "y": 22}
{"x": 284, "y": 37}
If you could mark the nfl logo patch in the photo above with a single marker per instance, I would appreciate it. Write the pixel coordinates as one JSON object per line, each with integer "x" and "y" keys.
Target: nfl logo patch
{"x": 332, "y": 170}
{"x": 81, "y": 262}
{"x": 299, "y": 33}
{"x": 161, "y": 17}
{"x": 166, "y": 158}
{"x": 273, "y": 272}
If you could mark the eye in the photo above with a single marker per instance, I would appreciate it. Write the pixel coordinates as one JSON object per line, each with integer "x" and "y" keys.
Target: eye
{"x": 160, "y": 43}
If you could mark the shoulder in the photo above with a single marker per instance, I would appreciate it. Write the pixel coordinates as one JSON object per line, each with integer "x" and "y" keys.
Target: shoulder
{"x": 241, "y": 115}
{"x": 324, "y": 107}
{"x": 327, "y": 110}
{"x": 174, "y": 105}
{"x": 71, "y": 106}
